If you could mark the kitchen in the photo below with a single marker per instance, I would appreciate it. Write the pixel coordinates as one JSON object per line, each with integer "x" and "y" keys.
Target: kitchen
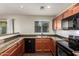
{"x": 39, "y": 29}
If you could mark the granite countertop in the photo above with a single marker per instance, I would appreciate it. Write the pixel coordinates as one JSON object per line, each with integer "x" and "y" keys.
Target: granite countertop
{"x": 62, "y": 41}
{"x": 6, "y": 45}
{"x": 65, "y": 44}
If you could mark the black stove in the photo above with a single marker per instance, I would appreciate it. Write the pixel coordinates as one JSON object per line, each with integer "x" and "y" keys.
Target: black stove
{"x": 74, "y": 42}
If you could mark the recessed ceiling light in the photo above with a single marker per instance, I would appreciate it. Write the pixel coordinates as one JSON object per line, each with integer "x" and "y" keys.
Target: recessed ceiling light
{"x": 48, "y": 6}
{"x": 21, "y": 6}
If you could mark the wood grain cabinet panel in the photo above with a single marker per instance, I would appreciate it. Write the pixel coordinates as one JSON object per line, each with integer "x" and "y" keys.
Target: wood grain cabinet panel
{"x": 44, "y": 45}
{"x": 68, "y": 13}
{"x": 15, "y": 50}
{"x": 54, "y": 24}
{"x": 58, "y": 20}
{"x": 20, "y": 49}
{"x": 76, "y": 9}
{"x": 8, "y": 51}
{"x": 53, "y": 48}
{"x": 38, "y": 45}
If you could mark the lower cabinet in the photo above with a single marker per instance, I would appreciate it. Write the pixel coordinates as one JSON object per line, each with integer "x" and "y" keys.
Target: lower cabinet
{"x": 38, "y": 45}
{"x": 15, "y": 50}
{"x": 41, "y": 45}
{"x": 53, "y": 47}
{"x": 45, "y": 45}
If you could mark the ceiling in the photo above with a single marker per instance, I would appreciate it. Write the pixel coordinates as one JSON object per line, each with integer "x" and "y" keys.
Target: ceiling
{"x": 32, "y": 8}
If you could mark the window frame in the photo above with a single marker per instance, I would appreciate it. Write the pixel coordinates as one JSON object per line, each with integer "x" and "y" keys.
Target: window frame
{"x": 42, "y": 26}
{"x": 3, "y": 26}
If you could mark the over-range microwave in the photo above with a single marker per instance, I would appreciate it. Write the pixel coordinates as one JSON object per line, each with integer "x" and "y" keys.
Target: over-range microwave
{"x": 68, "y": 23}
{"x": 77, "y": 21}
{"x": 64, "y": 24}
{"x": 71, "y": 23}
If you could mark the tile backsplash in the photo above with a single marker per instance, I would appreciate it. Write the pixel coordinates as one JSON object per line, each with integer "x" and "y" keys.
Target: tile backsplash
{"x": 66, "y": 33}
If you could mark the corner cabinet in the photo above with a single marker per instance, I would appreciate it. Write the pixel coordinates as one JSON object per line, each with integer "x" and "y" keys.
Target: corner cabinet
{"x": 57, "y": 22}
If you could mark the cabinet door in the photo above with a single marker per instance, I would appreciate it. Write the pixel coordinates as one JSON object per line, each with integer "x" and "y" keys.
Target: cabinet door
{"x": 39, "y": 45}
{"x": 58, "y": 24}
{"x": 43, "y": 45}
{"x": 15, "y": 50}
{"x": 54, "y": 24}
{"x": 68, "y": 13}
{"x": 46, "y": 45}
{"x": 9, "y": 51}
{"x": 76, "y": 9}
{"x": 53, "y": 46}
{"x": 58, "y": 20}
{"x": 20, "y": 48}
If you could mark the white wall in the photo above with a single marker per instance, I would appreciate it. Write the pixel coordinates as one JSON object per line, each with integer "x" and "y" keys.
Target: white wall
{"x": 25, "y": 24}
{"x": 9, "y": 25}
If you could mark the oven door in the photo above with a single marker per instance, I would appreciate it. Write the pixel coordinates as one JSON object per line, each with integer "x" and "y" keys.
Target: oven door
{"x": 62, "y": 51}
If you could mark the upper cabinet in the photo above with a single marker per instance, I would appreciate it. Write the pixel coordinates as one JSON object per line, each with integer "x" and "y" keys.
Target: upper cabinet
{"x": 54, "y": 24}
{"x": 57, "y": 23}
{"x": 68, "y": 20}
{"x": 59, "y": 18}
{"x": 76, "y": 8}
{"x": 68, "y": 13}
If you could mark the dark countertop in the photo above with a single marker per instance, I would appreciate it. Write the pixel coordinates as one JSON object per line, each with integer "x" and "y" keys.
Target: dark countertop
{"x": 61, "y": 40}
{"x": 65, "y": 44}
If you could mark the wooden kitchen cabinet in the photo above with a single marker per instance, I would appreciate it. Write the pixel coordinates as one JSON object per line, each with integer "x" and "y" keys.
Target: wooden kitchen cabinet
{"x": 58, "y": 20}
{"x": 9, "y": 50}
{"x": 68, "y": 13}
{"x": 76, "y": 9}
{"x": 46, "y": 45}
{"x": 15, "y": 50}
{"x": 53, "y": 47}
{"x": 39, "y": 45}
{"x": 54, "y": 24}
{"x": 20, "y": 48}
{"x": 43, "y": 45}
